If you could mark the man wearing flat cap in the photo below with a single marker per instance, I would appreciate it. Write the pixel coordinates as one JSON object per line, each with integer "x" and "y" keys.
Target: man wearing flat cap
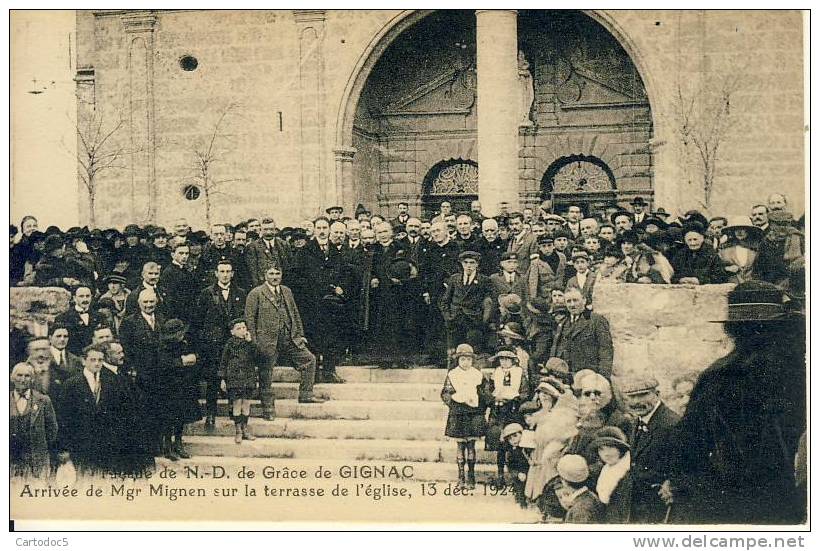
{"x": 649, "y": 431}
{"x": 547, "y": 271}
{"x": 467, "y": 303}
{"x": 732, "y": 453}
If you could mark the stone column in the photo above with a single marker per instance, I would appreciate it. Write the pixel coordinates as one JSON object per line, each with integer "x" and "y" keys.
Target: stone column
{"x": 344, "y": 177}
{"x": 497, "y": 103}
{"x": 315, "y": 194}
{"x": 139, "y": 29}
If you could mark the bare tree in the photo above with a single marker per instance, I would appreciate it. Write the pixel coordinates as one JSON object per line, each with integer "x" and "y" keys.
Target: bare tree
{"x": 98, "y": 150}
{"x": 207, "y": 153}
{"x": 704, "y": 118}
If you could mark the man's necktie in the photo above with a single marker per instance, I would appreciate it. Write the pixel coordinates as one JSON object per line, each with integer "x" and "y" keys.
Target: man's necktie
{"x": 62, "y": 358}
{"x": 97, "y": 388}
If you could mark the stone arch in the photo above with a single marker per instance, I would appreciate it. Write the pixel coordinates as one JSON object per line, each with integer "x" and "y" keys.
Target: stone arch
{"x": 344, "y": 150}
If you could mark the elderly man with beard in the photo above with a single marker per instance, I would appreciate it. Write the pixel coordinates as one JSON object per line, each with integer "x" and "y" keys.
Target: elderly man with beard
{"x": 732, "y": 453}
{"x": 490, "y": 246}
{"x": 39, "y": 357}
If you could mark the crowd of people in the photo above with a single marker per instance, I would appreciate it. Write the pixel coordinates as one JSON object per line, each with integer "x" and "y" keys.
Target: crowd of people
{"x": 155, "y": 314}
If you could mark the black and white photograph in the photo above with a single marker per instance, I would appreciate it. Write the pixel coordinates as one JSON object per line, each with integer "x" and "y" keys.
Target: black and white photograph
{"x": 515, "y": 268}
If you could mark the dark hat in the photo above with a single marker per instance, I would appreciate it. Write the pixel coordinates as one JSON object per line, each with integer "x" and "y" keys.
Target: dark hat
{"x": 609, "y": 436}
{"x": 615, "y": 251}
{"x": 545, "y": 238}
{"x": 13, "y": 230}
{"x": 158, "y": 232}
{"x": 655, "y": 240}
{"x": 561, "y": 233}
{"x": 470, "y": 255}
{"x": 510, "y": 302}
{"x": 360, "y": 209}
{"x": 560, "y": 311}
{"x": 334, "y": 208}
{"x": 512, "y": 330}
{"x": 580, "y": 254}
{"x": 298, "y": 233}
{"x": 198, "y": 237}
{"x": 95, "y": 235}
{"x": 401, "y": 270}
{"x": 618, "y": 213}
{"x": 174, "y": 326}
{"x": 661, "y": 213}
{"x": 111, "y": 233}
{"x": 639, "y": 201}
{"x": 52, "y": 243}
{"x": 695, "y": 216}
{"x": 755, "y": 301}
{"x": 114, "y": 278}
{"x": 332, "y": 299}
{"x": 235, "y": 321}
{"x": 694, "y": 226}
{"x": 652, "y": 220}
{"x": 132, "y": 230}
{"x": 629, "y": 236}
{"x": 538, "y": 305}
{"x": 53, "y": 230}
{"x": 509, "y": 256}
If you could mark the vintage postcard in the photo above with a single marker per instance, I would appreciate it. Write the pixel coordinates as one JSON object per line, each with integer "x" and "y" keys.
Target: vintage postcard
{"x": 497, "y": 267}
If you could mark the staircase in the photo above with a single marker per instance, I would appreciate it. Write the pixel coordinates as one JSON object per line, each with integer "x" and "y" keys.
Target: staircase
{"x": 379, "y": 417}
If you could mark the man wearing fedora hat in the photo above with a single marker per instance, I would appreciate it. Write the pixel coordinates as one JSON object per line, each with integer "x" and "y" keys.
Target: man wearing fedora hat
{"x": 652, "y": 421}
{"x": 639, "y": 209}
{"x": 467, "y": 303}
{"x": 732, "y": 453}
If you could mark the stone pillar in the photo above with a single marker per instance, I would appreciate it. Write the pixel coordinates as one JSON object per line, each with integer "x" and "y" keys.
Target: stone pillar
{"x": 345, "y": 195}
{"x": 497, "y": 103}
{"x": 139, "y": 30}
{"x": 314, "y": 188}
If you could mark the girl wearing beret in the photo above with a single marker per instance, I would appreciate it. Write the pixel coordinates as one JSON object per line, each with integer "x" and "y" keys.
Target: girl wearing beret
{"x": 509, "y": 388}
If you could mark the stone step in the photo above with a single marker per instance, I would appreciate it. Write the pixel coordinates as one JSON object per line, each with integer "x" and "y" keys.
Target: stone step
{"x": 372, "y": 374}
{"x": 341, "y": 429}
{"x": 421, "y": 471}
{"x": 424, "y": 451}
{"x": 388, "y": 392}
{"x": 350, "y": 409}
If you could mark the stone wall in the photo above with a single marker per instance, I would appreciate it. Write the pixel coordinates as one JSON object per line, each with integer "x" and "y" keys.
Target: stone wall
{"x": 664, "y": 330}
{"x": 251, "y": 58}
{"x": 33, "y": 308}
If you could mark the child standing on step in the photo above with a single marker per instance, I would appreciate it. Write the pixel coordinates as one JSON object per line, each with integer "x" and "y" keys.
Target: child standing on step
{"x": 466, "y": 392}
{"x": 510, "y": 388}
{"x": 238, "y": 372}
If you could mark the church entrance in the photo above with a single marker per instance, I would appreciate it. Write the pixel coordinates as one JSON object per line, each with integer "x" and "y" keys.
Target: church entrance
{"x": 455, "y": 181}
{"x": 579, "y": 180}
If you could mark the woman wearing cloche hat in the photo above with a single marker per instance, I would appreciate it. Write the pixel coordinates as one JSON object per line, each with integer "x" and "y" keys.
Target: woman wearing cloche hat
{"x": 613, "y": 485}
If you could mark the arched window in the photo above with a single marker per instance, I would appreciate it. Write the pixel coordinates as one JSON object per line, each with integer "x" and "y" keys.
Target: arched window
{"x": 454, "y": 180}
{"x": 579, "y": 180}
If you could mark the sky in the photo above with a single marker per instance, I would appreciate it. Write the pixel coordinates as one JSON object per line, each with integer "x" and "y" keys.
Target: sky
{"x": 43, "y": 148}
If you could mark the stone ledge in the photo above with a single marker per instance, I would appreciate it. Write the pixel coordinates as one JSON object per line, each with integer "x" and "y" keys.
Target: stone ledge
{"x": 34, "y": 307}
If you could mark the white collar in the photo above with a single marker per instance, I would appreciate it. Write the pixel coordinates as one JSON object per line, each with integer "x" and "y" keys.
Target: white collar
{"x": 91, "y": 378}
{"x": 273, "y": 289}
{"x": 111, "y": 367}
{"x": 78, "y": 310}
{"x": 224, "y": 287}
{"x": 17, "y": 395}
{"x": 56, "y": 354}
{"x": 648, "y": 417}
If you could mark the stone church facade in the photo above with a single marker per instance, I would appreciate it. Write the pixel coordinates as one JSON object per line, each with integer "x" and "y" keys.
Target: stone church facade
{"x": 233, "y": 114}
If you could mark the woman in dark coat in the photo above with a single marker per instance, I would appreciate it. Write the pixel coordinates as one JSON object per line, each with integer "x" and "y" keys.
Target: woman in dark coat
{"x": 613, "y": 483}
{"x": 175, "y": 399}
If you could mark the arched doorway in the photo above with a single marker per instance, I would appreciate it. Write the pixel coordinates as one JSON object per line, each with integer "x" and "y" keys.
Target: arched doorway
{"x": 455, "y": 180}
{"x": 591, "y": 99}
{"x": 581, "y": 180}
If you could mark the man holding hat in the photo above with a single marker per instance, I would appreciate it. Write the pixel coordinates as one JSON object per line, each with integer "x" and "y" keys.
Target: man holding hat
{"x": 467, "y": 303}
{"x": 547, "y": 271}
{"x": 508, "y": 281}
{"x": 653, "y": 421}
{"x": 732, "y": 453}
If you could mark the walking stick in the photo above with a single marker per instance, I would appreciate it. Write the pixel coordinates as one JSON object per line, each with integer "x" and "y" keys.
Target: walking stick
{"x": 668, "y": 512}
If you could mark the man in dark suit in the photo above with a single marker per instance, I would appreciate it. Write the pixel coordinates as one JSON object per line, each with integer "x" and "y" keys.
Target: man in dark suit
{"x": 32, "y": 426}
{"x": 491, "y": 246}
{"x": 467, "y": 303}
{"x": 64, "y": 364}
{"x": 265, "y": 252}
{"x": 275, "y": 326}
{"x": 80, "y": 320}
{"x": 647, "y": 439}
{"x": 507, "y": 281}
{"x": 583, "y": 339}
{"x": 216, "y": 306}
{"x": 326, "y": 296}
{"x": 413, "y": 241}
{"x": 139, "y": 334}
{"x": 177, "y": 286}
{"x": 89, "y": 416}
{"x": 403, "y": 216}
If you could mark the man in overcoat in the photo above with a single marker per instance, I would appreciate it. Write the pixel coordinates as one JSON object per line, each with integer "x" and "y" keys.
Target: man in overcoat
{"x": 467, "y": 304}
{"x": 650, "y": 427}
{"x": 732, "y": 453}
{"x": 583, "y": 340}
{"x": 266, "y": 251}
{"x": 178, "y": 287}
{"x": 32, "y": 426}
{"x": 216, "y": 306}
{"x": 275, "y": 326}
